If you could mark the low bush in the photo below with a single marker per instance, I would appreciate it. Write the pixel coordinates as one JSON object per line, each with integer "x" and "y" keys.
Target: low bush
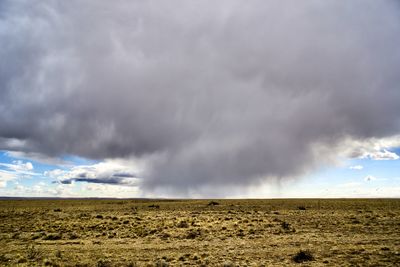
{"x": 52, "y": 237}
{"x": 192, "y": 234}
{"x": 302, "y": 256}
{"x": 212, "y": 203}
{"x": 33, "y": 253}
{"x": 183, "y": 224}
{"x": 103, "y": 263}
{"x": 285, "y": 226}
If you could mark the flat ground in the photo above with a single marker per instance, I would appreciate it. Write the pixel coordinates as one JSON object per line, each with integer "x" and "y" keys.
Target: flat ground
{"x": 352, "y": 232}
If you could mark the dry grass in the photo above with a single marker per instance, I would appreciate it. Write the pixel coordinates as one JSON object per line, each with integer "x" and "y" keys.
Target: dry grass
{"x": 357, "y": 232}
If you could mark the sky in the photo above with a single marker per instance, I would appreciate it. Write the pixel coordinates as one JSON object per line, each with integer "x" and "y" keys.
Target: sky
{"x": 200, "y": 99}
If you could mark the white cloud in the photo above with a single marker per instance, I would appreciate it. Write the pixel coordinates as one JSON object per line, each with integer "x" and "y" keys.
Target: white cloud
{"x": 3, "y": 183}
{"x": 56, "y": 173}
{"x": 73, "y": 190}
{"x": 373, "y": 148}
{"x": 117, "y": 172}
{"x": 356, "y": 167}
{"x": 107, "y": 190}
{"x": 18, "y": 166}
{"x": 383, "y": 155}
{"x": 5, "y": 177}
{"x": 15, "y": 170}
{"x": 42, "y": 189}
{"x": 363, "y": 191}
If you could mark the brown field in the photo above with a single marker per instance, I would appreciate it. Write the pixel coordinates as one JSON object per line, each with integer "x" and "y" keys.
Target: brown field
{"x": 351, "y": 232}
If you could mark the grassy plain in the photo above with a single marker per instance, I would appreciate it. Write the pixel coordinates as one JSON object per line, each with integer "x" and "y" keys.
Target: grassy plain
{"x": 104, "y": 232}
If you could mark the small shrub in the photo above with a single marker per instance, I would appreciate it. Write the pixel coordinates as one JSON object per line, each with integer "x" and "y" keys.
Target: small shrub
{"x": 153, "y": 231}
{"x": 37, "y": 236}
{"x": 21, "y": 260}
{"x": 165, "y": 236}
{"x": 285, "y": 226}
{"x": 212, "y": 203}
{"x": 192, "y": 234}
{"x": 301, "y": 208}
{"x": 183, "y": 224}
{"x": 302, "y": 256}
{"x": 228, "y": 264}
{"x": 112, "y": 235}
{"x": 33, "y": 253}
{"x": 15, "y": 236}
{"x": 3, "y": 258}
{"x": 52, "y": 237}
{"x": 58, "y": 254}
{"x": 48, "y": 262}
{"x": 162, "y": 263}
{"x": 241, "y": 233}
{"x": 57, "y": 210}
{"x": 73, "y": 236}
{"x": 103, "y": 263}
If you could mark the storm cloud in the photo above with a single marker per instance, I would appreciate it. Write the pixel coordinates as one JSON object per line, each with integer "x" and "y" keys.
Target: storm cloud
{"x": 206, "y": 93}
{"x": 116, "y": 178}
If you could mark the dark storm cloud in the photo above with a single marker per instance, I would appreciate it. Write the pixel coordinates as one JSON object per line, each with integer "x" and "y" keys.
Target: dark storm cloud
{"x": 207, "y": 92}
{"x": 114, "y": 179}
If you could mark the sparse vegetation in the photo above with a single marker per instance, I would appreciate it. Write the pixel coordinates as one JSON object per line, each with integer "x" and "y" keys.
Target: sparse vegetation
{"x": 195, "y": 233}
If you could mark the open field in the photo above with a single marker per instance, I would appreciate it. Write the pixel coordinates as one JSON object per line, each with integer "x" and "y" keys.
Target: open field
{"x": 352, "y": 232}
